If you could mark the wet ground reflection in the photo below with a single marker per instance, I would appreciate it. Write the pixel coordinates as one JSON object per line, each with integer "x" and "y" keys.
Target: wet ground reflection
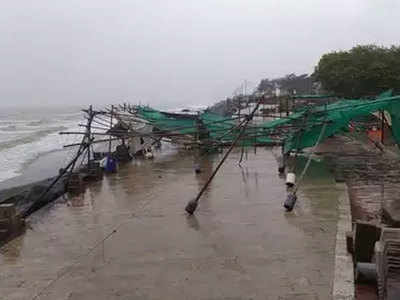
{"x": 240, "y": 244}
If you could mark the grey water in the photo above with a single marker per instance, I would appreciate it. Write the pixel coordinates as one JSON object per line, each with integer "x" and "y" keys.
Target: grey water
{"x": 26, "y": 133}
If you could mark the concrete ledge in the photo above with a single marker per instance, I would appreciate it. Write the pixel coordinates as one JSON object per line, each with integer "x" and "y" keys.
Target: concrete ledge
{"x": 343, "y": 284}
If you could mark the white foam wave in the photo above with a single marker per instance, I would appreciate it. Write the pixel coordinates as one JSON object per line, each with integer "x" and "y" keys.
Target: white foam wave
{"x": 29, "y": 140}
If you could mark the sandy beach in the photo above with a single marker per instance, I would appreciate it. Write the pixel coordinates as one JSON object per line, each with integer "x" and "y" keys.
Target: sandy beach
{"x": 128, "y": 237}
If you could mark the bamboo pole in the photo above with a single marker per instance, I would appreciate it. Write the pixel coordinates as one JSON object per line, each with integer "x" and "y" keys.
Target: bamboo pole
{"x": 37, "y": 203}
{"x": 111, "y": 125}
{"x": 192, "y": 205}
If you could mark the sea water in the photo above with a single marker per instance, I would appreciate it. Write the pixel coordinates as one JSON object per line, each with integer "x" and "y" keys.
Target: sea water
{"x": 26, "y": 133}
{"x": 29, "y": 133}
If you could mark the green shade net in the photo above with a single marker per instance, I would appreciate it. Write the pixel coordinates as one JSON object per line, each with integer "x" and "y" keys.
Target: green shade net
{"x": 219, "y": 129}
{"x": 304, "y": 128}
{"x": 298, "y": 131}
{"x": 218, "y": 126}
{"x": 164, "y": 122}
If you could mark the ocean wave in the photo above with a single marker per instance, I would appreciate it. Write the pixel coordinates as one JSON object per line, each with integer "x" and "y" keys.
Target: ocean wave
{"x": 18, "y": 125}
{"x": 20, "y": 152}
{"x": 70, "y": 116}
{"x": 26, "y": 135}
{"x": 39, "y": 122}
{"x": 9, "y": 128}
{"x": 30, "y": 137}
{"x": 6, "y": 123}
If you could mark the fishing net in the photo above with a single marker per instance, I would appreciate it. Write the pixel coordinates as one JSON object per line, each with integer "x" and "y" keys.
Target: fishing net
{"x": 164, "y": 122}
{"x": 298, "y": 131}
{"x": 306, "y": 125}
{"x": 209, "y": 126}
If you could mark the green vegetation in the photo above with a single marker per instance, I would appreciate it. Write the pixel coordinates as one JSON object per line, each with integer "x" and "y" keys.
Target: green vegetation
{"x": 363, "y": 71}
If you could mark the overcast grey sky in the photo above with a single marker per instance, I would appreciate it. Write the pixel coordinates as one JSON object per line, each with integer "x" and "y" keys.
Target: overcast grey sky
{"x": 172, "y": 52}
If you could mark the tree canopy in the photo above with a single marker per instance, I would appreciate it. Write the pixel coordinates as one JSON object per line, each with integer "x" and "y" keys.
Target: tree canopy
{"x": 362, "y": 71}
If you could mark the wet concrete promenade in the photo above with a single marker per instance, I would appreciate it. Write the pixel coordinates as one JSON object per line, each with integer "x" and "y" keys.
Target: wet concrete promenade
{"x": 241, "y": 244}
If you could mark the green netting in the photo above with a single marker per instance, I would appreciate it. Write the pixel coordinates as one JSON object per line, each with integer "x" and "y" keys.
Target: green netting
{"x": 219, "y": 129}
{"x": 299, "y": 130}
{"x": 386, "y": 94}
{"x": 164, "y": 122}
{"x": 216, "y": 123}
{"x": 307, "y": 125}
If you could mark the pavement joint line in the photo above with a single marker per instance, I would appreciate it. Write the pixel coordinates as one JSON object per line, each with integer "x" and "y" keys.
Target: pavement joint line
{"x": 343, "y": 281}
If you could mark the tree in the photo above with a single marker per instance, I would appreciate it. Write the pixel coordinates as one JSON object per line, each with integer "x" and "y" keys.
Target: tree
{"x": 362, "y": 71}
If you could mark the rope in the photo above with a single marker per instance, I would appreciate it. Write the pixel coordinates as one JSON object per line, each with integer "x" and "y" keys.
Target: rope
{"x": 68, "y": 269}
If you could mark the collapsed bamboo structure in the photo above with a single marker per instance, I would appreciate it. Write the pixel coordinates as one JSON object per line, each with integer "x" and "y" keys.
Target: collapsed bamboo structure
{"x": 121, "y": 132}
